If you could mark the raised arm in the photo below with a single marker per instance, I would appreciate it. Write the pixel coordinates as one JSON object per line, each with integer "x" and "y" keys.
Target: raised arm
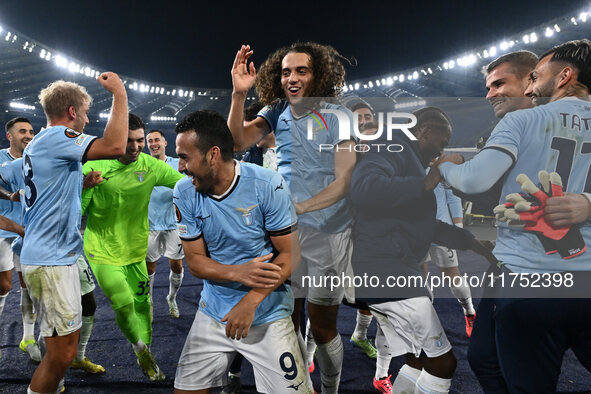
{"x": 243, "y": 77}
{"x": 114, "y": 140}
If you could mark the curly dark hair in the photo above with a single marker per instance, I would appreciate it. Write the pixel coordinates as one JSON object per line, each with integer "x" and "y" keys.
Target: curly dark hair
{"x": 327, "y": 69}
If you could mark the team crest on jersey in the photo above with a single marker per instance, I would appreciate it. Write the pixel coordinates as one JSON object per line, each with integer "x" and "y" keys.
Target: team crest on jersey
{"x": 140, "y": 175}
{"x": 438, "y": 340}
{"x": 246, "y": 214}
{"x": 71, "y": 133}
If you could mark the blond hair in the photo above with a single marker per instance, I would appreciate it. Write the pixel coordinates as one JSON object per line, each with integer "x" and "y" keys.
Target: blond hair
{"x": 60, "y": 95}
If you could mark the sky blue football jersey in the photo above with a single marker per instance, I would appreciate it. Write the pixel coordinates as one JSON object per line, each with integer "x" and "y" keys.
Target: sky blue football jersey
{"x": 307, "y": 164}
{"x": 160, "y": 210}
{"x": 52, "y": 171}
{"x": 551, "y": 137}
{"x": 9, "y": 209}
{"x": 236, "y": 228}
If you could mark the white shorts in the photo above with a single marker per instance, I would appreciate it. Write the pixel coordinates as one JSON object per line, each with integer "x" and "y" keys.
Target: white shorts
{"x": 164, "y": 243}
{"x": 411, "y": 326}
{"x": 6, "y": 255}
{"x": 323, "y": 255}
{"x": 55, "y": 292}
{"x": 86, "y": 279}
{"x": 442, "y": 257}
{"x": 271, "y": 348}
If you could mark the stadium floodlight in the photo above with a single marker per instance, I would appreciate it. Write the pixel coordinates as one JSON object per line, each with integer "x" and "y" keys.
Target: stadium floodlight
{"x": 429, "y": 70}
{"x": 389, "y": 81}
{"x": 61, "y": 61}
{"x": 345, "y": 88}
{"x": 364, "y": 86}
{"x": 17, "y": 105}
{"x": 105, "y": 115}
{"x": 73, "y": 67}
{"x": 583, "y": 17}
{"x": 525, "y": 38}
{"x": 492, "y": 51}
{"x": 511, "y": 43}
{"x": 8, "y": 36}
{"x": 357, "y": 86}
{"x": 452, "y": 64}
{"x": 573, "y": 21}
{"x": 504, "y": 45}
{"x": 186, "y": 93}
{"x": 42, "y": 53}
{"x": 446, "y": 65}
{"x": 191, "y": 94}
{"x": 378, "y": 82}
{"x": 415, "y": 74}
{"x": 152, "y": 89}
{"x": 401, "y": 78}
{"x": 48, "y": 56}
{"x": 549, "y": 32}
{"x": 533, "y": 37}
{"x": 370, "y": 84}
{"x": 556, "y": 28}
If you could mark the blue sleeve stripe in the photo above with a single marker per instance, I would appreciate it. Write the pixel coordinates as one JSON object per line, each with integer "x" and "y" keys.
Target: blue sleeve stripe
{"x": 502, "y": 149}
{"x": 268, "y": 123}
{"x": 87, "y": 149}
{"x": 284, "y": 231}
{"x": 191, "y": 238}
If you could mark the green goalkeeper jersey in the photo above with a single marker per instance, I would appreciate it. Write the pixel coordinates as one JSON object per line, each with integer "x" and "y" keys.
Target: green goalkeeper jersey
{"x": 117, "y": 229}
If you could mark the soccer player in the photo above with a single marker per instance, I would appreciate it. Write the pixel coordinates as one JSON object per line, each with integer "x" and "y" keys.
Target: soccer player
{"x": 319, "y": 181}
{"x": 116, "y": 237}
{"x": 52, "y": 172}
{"x": 164, "y": 238}
{"x": 238, "y": 229}
{"x": 19, "y": 133}
{"x": 394, "y": 227}
{"x": 533, "y": 334}
{"x": 507, "y": 78}
{"x": 365, "y": 115}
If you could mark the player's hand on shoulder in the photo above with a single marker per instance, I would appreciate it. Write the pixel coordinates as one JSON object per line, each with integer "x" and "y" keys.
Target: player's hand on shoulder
{"x": 243, "y": 74}
{"x": 258, "y": 272}
{"x": 239, "y": 319}
{"x": 112, "y": 83}
{"x": 92, "y": 179}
